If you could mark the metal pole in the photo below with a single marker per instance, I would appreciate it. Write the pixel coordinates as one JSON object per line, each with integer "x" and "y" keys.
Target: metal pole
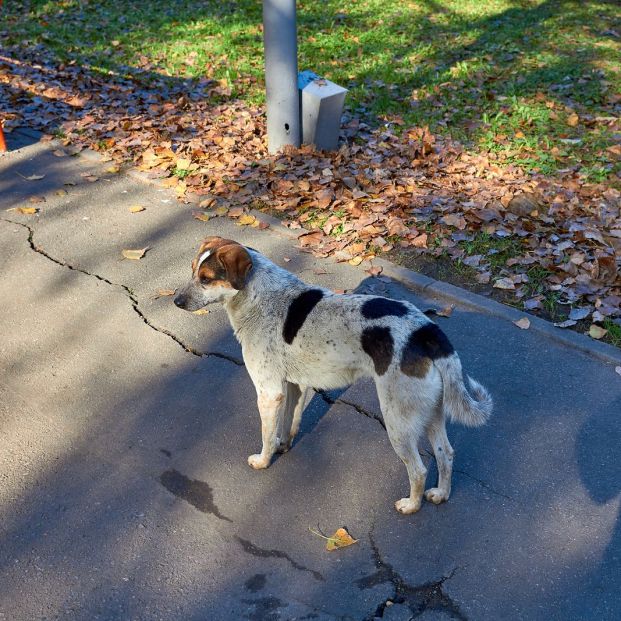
{"x": 281, "y": 74}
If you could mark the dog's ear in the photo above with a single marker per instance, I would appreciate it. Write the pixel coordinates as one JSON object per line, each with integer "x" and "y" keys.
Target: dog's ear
{"x": 236, "y": 261}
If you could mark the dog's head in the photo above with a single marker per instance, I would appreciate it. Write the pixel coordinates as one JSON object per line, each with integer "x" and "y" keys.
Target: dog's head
{"x": 219, "y": 271}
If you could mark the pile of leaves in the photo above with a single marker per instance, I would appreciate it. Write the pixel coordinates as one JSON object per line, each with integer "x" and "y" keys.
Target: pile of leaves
{"x": 389, "y": 187}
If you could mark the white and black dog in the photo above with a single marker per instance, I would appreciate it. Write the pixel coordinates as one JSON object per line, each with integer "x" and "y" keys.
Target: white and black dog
{"x": 296, "y": 337}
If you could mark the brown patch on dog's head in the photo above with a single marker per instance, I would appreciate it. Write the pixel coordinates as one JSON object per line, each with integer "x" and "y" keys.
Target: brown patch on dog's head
{"x": 226, "y": 265}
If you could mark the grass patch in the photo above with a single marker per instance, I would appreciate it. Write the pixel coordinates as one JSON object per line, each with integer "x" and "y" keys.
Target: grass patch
{"x": 614, "y": 332}
{"x": 496, "y": 250}
{"x": 504, "y": 76}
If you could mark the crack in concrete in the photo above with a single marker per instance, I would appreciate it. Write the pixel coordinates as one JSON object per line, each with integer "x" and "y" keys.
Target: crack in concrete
{"x": 482, "y": 483}
{"x": 331, "y": 401}
{"x": 419, "y": 598}
{"x": 487, "y": 486}
{"x": 127, "y": 292}
{"x": 253, "y": 550}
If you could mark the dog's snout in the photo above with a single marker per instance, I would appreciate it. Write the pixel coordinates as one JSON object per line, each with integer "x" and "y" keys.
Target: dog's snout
{"x": 181, "y": 300}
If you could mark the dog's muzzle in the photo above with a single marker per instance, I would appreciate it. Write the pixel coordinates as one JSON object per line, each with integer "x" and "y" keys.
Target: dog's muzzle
{"x": 181, "y": 300}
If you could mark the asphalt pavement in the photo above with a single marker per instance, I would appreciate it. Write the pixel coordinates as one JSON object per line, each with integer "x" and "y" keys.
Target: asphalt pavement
{"x": 125, "y": 425}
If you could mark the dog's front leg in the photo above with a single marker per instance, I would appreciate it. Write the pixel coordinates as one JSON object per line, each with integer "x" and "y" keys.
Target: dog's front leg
{"x": 271, "y": 405}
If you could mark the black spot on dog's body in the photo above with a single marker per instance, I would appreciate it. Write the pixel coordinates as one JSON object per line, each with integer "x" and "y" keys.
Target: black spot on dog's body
{"x": 377, "y": 342}
{"x": 376, "y": 308}
{"x": 298, "y": 311}
{"x": 424, "y": 345}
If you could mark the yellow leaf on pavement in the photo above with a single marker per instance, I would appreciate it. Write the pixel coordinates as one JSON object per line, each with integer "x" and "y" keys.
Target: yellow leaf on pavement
{"x": 355, "y": 261}
{"x": 28, "y": 211}
{"x": 135, "y": 255}
{"x": 200, "y": 311}
{"x": 136, "y": 208}
{"x": 246, "y": 219}
{"x": 340, "y": 539}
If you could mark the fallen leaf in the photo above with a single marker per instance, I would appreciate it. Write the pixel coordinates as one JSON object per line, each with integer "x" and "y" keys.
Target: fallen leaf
{"x": 286, "y": 259}
{"x": 136, "y": 208}
{"x": 28, "y": 211}
{"x": 577, "y": 314}
{"x": 61, "y": 192}
{"x": 246, "y": 219}
{"x": 566, "y": 324}
{"x": 340, "y": 291}
{"x": 37, "y": 199}
{"x": 161, "y": 293}
{"x": 504, "y": 283}
{"x": 447, "y": 311}
{"x": 135, "y": 255}
{"x": 618, "y": 370}
{"x": 340, "y": 539}
{"x": 374, "y": 270}
{"x": 201, "y": 311}
{"x": 59, "y": 153}
{"x": 31, "y": 177}
{"x": 573, "y": 120}
{"x": 597, "y": 332}
{"x": 113, "y": 169}
{"x": 355, "y": 261}
{"x": 523, "y": 323}
{"x": 201, "y": 215}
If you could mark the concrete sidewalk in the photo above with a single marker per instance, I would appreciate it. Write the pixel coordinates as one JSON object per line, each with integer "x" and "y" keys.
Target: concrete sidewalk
{"x": 125, "y": 425}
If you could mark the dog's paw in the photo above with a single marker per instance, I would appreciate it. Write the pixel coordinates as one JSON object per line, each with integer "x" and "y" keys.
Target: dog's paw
{"x": 436, "y": 495}
{"x": 407, "y": 505}
{"x": 283, "y": 446}
{"x": 258, "y": 462}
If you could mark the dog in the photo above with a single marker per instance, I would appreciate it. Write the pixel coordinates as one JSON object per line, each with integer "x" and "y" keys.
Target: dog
{"x": 296, "y": 337}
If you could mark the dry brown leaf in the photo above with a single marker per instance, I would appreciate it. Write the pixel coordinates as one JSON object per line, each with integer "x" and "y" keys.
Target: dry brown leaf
{"x": 447, "y": 311}
{"x": 135, "y": 255}
{"x": 597, "y": 332}
{"x": 504, "y": 283}
{"x": 523, "y": 323}
{"x": 201, "y": 215}
{"x": 374, "y": 270}
{"x": 573, "y": 120}
{"x": 136, "y": 208}
{"x": 162, "y": 293}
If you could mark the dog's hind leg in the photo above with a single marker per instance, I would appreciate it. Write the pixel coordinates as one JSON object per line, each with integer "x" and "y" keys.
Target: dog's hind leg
{"x": 295, "y": 403}
{"x": 443, "y": 451}
{"x": 271, "y": 404}
{"x": 404, "y": 428}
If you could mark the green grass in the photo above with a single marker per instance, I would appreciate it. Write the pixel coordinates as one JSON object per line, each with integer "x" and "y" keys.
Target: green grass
{"x": 503, "y": 76}
{"x": 614, "y": 332}
{"x": 495, "y": 250}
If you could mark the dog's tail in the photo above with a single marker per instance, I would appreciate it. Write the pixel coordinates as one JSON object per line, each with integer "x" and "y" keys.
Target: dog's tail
{"x": 469, "y": 407}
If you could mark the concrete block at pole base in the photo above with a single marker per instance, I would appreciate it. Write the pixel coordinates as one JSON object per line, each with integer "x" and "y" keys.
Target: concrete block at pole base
{"x": 321, "y": 102}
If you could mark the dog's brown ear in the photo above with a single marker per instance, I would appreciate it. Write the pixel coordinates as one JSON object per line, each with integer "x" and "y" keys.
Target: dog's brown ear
{"x": 235, "y": 259}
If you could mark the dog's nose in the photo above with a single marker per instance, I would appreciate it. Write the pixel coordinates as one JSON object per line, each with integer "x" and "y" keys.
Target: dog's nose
{"x": 180, "y": 300}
